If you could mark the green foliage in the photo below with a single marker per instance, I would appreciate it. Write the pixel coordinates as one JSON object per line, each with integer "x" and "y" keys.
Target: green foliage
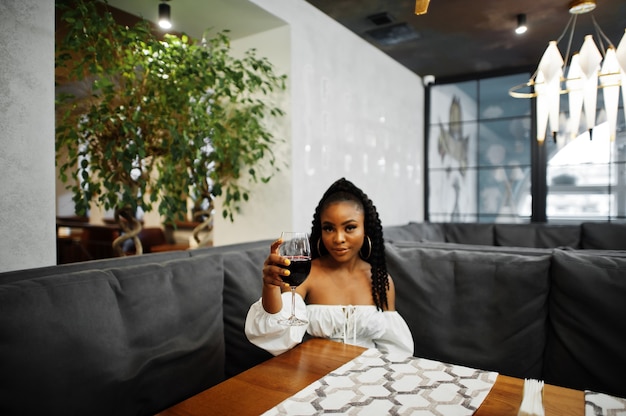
{"x": 160, "y": 119}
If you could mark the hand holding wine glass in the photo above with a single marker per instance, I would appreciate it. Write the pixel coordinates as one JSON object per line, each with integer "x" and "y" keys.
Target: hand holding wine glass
{"x": 296, "y": 248}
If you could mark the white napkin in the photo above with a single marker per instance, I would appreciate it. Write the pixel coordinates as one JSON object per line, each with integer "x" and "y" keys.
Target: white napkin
{"x": 598, "y": 404}
{"x": 532, "y": 403}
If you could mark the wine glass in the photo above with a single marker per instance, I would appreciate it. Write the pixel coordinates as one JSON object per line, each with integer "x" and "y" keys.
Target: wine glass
{"x": 296, "y": 248}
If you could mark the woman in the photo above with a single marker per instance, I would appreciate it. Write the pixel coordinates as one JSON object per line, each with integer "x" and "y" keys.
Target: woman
{"x": 348, "y": 296}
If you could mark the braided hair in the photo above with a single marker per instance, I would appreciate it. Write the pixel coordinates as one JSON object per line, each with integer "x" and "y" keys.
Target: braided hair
{"x": 344, "y": 190}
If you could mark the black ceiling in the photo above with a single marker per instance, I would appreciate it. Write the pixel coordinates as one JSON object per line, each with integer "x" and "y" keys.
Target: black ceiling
{"x": 461, "y": 38}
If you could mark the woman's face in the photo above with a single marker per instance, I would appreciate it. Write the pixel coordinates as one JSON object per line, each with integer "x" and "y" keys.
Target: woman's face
{"x": 343, "y": 229}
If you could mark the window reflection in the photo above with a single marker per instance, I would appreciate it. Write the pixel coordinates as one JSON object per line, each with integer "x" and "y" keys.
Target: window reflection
{"x": 584, "y": 179}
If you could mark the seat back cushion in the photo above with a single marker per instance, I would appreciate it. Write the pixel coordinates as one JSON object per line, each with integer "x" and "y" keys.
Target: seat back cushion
{"x": 529, "y": 251}
{"x": 587, "y": 325}
{"x": 537, "y": 235}
{"x": 243, "y": 284}
{"x": 120, "y": 341}
{"x": 114, "y": 262}
{"x": 415, "y": 231}
{"x": 479, "y": 309}
{"x": 470, "y": 233}
{"x": 603, "y": 235}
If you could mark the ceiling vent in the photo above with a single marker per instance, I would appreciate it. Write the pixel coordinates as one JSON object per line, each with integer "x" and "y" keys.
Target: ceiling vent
{"x": 380, "y": 19}
{"x": 392, "y": 34}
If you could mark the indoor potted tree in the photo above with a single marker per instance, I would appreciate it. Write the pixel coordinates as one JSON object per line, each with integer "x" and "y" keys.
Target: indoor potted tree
{"x": 145, "y": 121}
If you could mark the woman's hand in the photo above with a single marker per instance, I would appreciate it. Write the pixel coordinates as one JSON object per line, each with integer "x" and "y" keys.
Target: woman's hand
{"x": 273, "y": 267}
{"x": 272, "y": 282}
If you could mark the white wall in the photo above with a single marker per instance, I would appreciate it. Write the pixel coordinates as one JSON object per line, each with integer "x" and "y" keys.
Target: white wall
{"x": 269, "y": 208}
{"x": 354, "y": 112}
{"x": 27, "y": 185}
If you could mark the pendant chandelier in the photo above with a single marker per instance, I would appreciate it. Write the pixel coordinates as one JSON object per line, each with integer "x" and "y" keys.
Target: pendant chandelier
{"x": 579, "y": 77}
{"x": 421, "y": 6}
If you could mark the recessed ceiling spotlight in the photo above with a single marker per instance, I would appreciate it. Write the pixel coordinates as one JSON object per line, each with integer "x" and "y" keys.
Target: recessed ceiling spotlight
{"x": 164, "y": 16}
{"x": 521, "y": 24}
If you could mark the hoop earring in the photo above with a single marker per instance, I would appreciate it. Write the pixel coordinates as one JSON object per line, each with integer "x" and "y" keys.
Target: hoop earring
{"x": 369, "y": 252}
{"x": 318, "y": 247}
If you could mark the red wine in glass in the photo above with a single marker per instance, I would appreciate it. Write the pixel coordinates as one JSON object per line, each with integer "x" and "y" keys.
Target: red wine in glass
{"x": 299, "y": 268}
{"x": 296, "y": 248}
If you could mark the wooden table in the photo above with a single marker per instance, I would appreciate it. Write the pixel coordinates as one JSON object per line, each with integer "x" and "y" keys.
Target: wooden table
{"x": 505, "y": 398}
{"x": 264, "y": 386}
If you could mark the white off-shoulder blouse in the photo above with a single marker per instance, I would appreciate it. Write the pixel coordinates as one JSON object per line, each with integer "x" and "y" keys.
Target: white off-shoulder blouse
{"x": 362, "y": 325}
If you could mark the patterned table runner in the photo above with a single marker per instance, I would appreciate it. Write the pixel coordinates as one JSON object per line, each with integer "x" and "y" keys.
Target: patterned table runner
{"x": 600, "y": 404}
{"x": 377, "y": 384}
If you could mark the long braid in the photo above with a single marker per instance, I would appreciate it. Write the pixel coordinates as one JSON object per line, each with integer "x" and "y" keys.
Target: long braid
{"x": 344, "y": 190}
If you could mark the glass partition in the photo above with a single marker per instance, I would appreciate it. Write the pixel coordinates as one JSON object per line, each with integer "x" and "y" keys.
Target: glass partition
{"x": 480, "y": 159}
{"x": 479, "y": 152}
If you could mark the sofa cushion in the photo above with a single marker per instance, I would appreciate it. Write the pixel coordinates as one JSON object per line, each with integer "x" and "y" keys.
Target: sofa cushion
{"x": 603, "y": 235}
{"x": 529, "y": 251}
{"x": 243, "y": 284}
{"x": 114, "y": 262}
{"x": 120, "y": 341}
{"x": 537, "y": 235}
{"x": 470, "y": 233}
{"x": 481, "y": 309}
{"x": 415, "y": 231}
{"x": 587, "y": 325}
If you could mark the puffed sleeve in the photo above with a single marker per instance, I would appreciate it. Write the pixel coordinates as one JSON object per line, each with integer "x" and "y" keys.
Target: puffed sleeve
{"x": 397, "y": 338}
{"x": 263, "y": 330}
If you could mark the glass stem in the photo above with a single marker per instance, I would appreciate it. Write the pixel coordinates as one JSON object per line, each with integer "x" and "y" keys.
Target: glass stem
{"x": 293, "y": 301}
